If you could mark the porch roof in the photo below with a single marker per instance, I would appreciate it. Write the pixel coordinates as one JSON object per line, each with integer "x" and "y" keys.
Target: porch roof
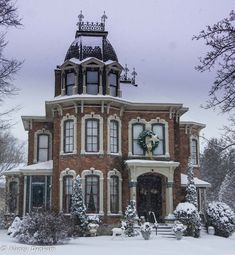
{"x": 198, "y": 182}
{"x": 41, "y": 168}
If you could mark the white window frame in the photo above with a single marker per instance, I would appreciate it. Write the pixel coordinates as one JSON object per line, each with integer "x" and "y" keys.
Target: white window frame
{"x": 93, "y": 171}
{"x": 66, "y": 172}
{"x": 194, "y": 137}
{"x": 83, "y": 133}
{"x": 115, "y": 118}
{"x": 148, "y": 125}
{"x": 111, "y": 173}
{"x": 42, "y": 131}
{"x": 68, "y": 117}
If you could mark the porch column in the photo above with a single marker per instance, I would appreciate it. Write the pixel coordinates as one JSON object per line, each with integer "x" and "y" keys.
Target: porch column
{"x": 169, "y": 198}
{"x": 132, "y": 186}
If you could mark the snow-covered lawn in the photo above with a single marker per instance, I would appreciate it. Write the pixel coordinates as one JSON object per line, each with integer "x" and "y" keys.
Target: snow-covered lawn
{"x": 104, "y": 245}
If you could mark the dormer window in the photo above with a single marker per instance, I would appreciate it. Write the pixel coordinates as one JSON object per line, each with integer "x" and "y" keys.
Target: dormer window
{"x": 113, "y": 84}
{"x": 69, "y": 83}
{"x": 92, "y": 82}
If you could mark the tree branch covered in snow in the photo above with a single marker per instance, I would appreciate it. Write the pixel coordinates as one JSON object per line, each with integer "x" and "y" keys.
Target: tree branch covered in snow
{"x": 220, "y": 38}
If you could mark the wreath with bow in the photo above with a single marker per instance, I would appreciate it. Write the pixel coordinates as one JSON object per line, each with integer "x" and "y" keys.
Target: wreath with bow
{"x": 154, "y": 139}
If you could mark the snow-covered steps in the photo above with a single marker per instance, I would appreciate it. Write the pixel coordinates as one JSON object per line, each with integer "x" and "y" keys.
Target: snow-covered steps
{"x": 165, "y": 230}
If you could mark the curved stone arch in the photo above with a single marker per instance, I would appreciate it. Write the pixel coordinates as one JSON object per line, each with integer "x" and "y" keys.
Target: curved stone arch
{"x": 93, "y": 171}
{"x": 66, "y": 172}
{"x": 111, "y": 173}
{"x": 42, "y": 131}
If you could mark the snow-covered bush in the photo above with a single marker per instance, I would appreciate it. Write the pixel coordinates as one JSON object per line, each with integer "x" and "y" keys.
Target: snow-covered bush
{"x": 2, "y": 221}
{"x": 221, "y": 217}
{"x": 131, "y": 218}
{"x": 178, "y": 227}
{"x": 146, "y": 230}
{"x": 188, "y": 214}
{"x": 40, "y": 228}
{"x": 191, "y": 191}
{"x": 78, "y": 208}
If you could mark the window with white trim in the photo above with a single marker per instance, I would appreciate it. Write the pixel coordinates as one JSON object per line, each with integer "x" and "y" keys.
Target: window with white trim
{"x": 69, "y": 83}
{"x": 92, "y": 190}
{"x": 68, "y": 136}
{"x": 194, "y": 151}
{"x": 113, "y": 79}
{"x": 92, "y": 82}
{"x": 137, "y": 128}
{"x": 159, "y": 130}
{"x": 92, "y": 135}
{"x": 114, "y": 194}
{"x": 114, "y": 136}
{"x": 43, "y": 148}
{"x": 67, "y": 193}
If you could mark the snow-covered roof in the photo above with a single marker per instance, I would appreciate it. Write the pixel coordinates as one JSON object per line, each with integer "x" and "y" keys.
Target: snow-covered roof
{"x": 198, "y": 182}
{"x": 39, "y": 168}
{"x": 151, "y": 162}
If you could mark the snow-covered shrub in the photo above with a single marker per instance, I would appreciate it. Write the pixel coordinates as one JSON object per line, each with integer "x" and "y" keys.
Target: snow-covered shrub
{"x": 188, "y": 214}
{"x": 221, "y": 217}
{"x": 191, "y": 191}
{"x": 2, "y": 220}
{"x": 146, "y": 230}
{"x": 40, "y": 228}
{"x": 131, "y": 218}
{"x": 178, "y": 227}
{"x": 78, "y": 208}
{"x": 14, "y": 229}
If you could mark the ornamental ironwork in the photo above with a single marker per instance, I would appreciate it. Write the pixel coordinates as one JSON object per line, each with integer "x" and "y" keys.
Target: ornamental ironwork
{"x": 125, "y": 78}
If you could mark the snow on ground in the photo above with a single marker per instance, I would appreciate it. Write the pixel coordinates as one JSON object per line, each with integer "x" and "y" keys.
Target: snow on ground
{"x": 104, "y": 245}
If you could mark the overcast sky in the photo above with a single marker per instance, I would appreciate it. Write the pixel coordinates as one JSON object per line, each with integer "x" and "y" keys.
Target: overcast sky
{"x": 154, "y": 36}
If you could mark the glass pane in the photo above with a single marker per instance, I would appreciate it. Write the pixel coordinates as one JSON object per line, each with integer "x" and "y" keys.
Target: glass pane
{"x": 137, "y": 129}
{"x": 38, "y": 191}
{"x": 70, "y": 79}
{"x": 113, "y": 79}
{"x": 158, "y": 130}
{"x": 159, "y": 150}
{"x": 42, "y": 155}
{"x": 92, "y": 77}
{"x": 113, "y": 91}
{"x": 137, "y": 150}
{"x": 43, "y": 141}
{"x": 92, "y": 89}
{"x": 92, "y": 194}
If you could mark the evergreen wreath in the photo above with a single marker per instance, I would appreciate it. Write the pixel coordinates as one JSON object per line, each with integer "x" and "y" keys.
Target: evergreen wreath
{"x": 141, "y": 140}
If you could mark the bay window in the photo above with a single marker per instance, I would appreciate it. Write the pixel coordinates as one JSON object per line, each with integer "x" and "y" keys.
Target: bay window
{"x": 113, "y": 136}
{"x": 69, "y": 83}
{"x": 92, "y": 135}
{"x": 68, "y": 136}
{"x": 67, "y": 193}
{"x": 92, "y": 199}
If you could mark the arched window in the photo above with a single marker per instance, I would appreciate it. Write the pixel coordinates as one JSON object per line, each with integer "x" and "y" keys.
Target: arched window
{"x": 92, "y": 82}
{"x": 137, "y": 128}
{"x": 13, "y": 196}
{"x": 114, "y": 136}
{"x": 159, "y": 130}
{"x": 69, "y": 83}
{"x": 92, "y": 135}
{"x": 43, "y": 148}
{"x": 113, "y": 79}
{"x": 67, "y": 193}
{"x": 92, "y": 190}
{"x": 114, "y": 194}
{"x": 68, "y": 136}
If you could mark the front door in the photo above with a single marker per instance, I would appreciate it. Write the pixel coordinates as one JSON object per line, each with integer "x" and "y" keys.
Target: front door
{"x": 149, "y": 197}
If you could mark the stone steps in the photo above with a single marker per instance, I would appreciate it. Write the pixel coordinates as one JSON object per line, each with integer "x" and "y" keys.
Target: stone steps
{"x": 165, "y": 230}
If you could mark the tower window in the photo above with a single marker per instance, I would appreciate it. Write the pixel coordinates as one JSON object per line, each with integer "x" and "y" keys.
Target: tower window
{"x": 113, "y": 136}
{"x": 68, "y": 136}
{"x": 194, "y": 151}
{"x": 92, "y": 199}
{"x": 113, "y": 84}
{"x": 92, "y": 135}
{"x": 70, "y": 82}
{"x": 92, "y": 82}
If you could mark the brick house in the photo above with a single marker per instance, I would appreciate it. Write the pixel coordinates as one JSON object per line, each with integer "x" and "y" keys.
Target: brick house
{"x": 121, "y": 149}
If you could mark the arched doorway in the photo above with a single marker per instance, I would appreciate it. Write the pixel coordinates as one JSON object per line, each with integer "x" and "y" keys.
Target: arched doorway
{"x": 149, "y": 196}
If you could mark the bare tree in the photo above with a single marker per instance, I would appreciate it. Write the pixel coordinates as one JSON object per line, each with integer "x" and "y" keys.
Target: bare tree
{"x": 12, "y": 152}
{"x": 8, "y": 67}
{"x": 220, "y": 38}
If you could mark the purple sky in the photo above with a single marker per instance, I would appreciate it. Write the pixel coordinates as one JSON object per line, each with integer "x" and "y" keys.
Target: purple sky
{"x": 154, "y": 36}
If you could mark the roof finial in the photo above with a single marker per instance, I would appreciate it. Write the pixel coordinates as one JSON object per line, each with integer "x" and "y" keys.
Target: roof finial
{"x": 103, "y": 18}
{"x": 80, "y": 17}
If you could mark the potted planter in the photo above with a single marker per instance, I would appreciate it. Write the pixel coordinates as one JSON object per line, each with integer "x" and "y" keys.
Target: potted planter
{"x": 178, "y": 229}
{"x": 146, "y": 230}
{"x": 92, "y": 227}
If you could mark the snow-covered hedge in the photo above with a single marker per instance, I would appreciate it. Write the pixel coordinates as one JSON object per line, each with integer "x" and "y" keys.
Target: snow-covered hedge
{"x": 40, "y": 228}
{"x": 221, "y": 217}
{"x": 188, "y": 214}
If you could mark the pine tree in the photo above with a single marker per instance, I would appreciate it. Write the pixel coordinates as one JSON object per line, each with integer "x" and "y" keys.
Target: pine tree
{"x": 78, "y": 208}
{"x": 191, "y": 191}
{"x": 131, "y": 218}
